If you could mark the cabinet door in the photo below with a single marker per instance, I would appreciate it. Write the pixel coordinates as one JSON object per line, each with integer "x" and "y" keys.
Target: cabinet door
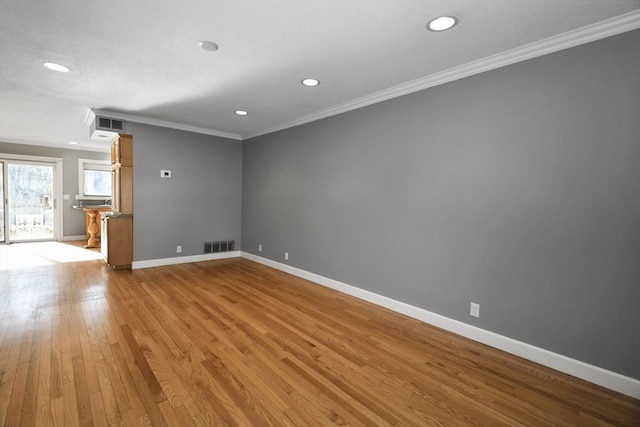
{"x": 115, "y": 151}
{"x": 126, "y": 150}
{"x": 119, "y": 232}
{"x": 122, "y": 151}
{"x": 125, "y": 189}
{"x": 115, "y": 189}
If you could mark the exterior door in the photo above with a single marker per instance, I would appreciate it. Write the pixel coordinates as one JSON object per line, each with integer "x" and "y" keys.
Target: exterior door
{"x": 28, "y": 201}
{"x": 2, "y": 203}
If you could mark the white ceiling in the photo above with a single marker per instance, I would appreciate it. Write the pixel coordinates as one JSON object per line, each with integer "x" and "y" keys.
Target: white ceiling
{"x": 141, "y": 59}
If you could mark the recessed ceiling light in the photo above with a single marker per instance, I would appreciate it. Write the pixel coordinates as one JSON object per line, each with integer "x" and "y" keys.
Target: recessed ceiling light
{"x": 241, "y": 112}
{"x": 73, "y": 143}
{"x": 208, "y": 45}
{"x": 442, "y": 23}
{"x": 311, "y": 82}
{"x": 56, "y": 67}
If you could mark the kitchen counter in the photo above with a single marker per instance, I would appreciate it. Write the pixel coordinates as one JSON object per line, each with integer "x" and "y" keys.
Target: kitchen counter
{"x": 91, "y": 206}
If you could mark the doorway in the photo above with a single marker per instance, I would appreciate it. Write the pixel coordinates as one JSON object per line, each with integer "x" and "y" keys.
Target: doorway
{"x": 28, "y": 211}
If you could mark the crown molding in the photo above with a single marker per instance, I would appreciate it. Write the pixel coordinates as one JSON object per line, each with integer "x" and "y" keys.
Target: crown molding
{"x": 607, "y": 28}
{"x": 57, "y": 145}
{"x": 610, "y": 27}
{"x": 163, "y": 123}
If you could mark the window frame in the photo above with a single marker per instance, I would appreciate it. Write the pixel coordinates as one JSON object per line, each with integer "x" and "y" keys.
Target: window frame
{"x": 103, "y": 165}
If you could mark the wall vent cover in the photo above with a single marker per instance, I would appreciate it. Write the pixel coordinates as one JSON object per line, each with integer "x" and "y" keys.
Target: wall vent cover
{"x": 221, "y": 246}
{"x": 106, "y": 123}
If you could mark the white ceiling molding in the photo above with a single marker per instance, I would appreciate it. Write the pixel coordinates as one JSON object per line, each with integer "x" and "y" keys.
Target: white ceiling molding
{"x": 56, "y": 145}
{"x": 200, "y": 91}
{"x": 610, "y": 27}
{"x": 163, "y": 123}
{"x": 620, "y": 24}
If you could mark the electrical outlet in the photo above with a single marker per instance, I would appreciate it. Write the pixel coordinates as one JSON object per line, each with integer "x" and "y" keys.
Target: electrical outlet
{"x": 178, "y": 249}
{"x": 165, "y": 174}
{"x": 475, "y": 310}
{"x": 260, "y": 248}
{"x": 286, "y": 256}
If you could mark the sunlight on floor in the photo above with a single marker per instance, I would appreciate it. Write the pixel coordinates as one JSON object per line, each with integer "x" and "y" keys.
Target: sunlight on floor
{"x": 20, "y": 255}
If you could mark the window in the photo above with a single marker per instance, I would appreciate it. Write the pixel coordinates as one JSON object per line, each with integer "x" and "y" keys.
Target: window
{"x": 94, "y": 179}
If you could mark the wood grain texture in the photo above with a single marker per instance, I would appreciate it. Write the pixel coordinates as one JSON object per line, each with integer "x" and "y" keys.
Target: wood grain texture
{"x": 235, "y": 343}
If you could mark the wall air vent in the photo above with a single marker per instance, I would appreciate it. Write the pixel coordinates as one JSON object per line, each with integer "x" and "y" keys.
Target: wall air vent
{"x": 106, "y": 123}
{"x": 106, "y": 129}
{"x": 222, "y": 246}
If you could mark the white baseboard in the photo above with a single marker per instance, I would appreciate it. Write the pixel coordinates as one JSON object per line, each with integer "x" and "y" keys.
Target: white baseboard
{"x": 603, "y": 377}
{"x": 183, "y": 259}
{"x": 73, "y": 238}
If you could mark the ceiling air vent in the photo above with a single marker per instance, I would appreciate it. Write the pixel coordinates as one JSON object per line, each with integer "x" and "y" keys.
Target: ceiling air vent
{"x": 106, "y": 123}
{"x": 106, "y": 129}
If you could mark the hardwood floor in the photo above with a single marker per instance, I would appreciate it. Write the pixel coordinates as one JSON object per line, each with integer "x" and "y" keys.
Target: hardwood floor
{"x": 235, "y": 343}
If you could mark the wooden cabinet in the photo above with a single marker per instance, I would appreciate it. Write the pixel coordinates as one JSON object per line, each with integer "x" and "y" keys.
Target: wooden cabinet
{"x": 115, "y": 189}
{"x": 122, "y": 174}
{"x": 122, "y": 151}
{"x": 117, "y": 228}
{"x": 122, "y": 187}
{"x": 117, "y": 239}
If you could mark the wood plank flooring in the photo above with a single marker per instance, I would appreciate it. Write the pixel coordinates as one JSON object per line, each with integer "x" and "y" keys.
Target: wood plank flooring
{"x": 234, "y": 343}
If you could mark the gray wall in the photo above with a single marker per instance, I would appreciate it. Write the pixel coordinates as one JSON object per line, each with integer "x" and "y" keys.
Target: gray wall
{"x": 73, "y": 219}
{"x": 202, "y": 200}
{"x": 518, "y": 189}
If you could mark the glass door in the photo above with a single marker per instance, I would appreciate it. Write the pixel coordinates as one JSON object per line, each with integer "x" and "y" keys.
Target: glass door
{"x": 2, "y": 202}
{"x": 29, "y": 202}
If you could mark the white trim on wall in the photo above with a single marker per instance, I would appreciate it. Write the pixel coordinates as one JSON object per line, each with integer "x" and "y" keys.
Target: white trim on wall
{"x": 58, "y": 216}
{"x": 183, "y": 259}
{"x": 74, "y": 238}
{"x": 165, "y": 124}
{"x": 600, "y": 30}
{"x": 594, "y": 374}
{"x": 57, "y": 144}
{"x": 102, "y": 165}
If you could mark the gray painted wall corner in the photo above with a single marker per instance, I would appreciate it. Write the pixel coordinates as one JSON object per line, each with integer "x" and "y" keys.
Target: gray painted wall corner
{"x": 518, "y": 189}
{"x": 201, "y": 201}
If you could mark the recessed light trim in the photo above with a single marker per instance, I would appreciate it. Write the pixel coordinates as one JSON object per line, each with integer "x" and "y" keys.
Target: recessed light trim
{"x": 241, "y": 112}
{"x": 310, "y": 82}
{"x": 442, "y": 23}
{"x": 57, "y": 67}
{"x": 208, "y": 45}
{"x": 73, "y": 143}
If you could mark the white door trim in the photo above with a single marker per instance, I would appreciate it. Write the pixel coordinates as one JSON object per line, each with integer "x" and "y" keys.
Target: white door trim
{"x": 57, "y": 187}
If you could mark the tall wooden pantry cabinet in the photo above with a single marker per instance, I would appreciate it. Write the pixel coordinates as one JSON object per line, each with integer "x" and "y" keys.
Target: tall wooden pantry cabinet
{"x": 117, "y": 226}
